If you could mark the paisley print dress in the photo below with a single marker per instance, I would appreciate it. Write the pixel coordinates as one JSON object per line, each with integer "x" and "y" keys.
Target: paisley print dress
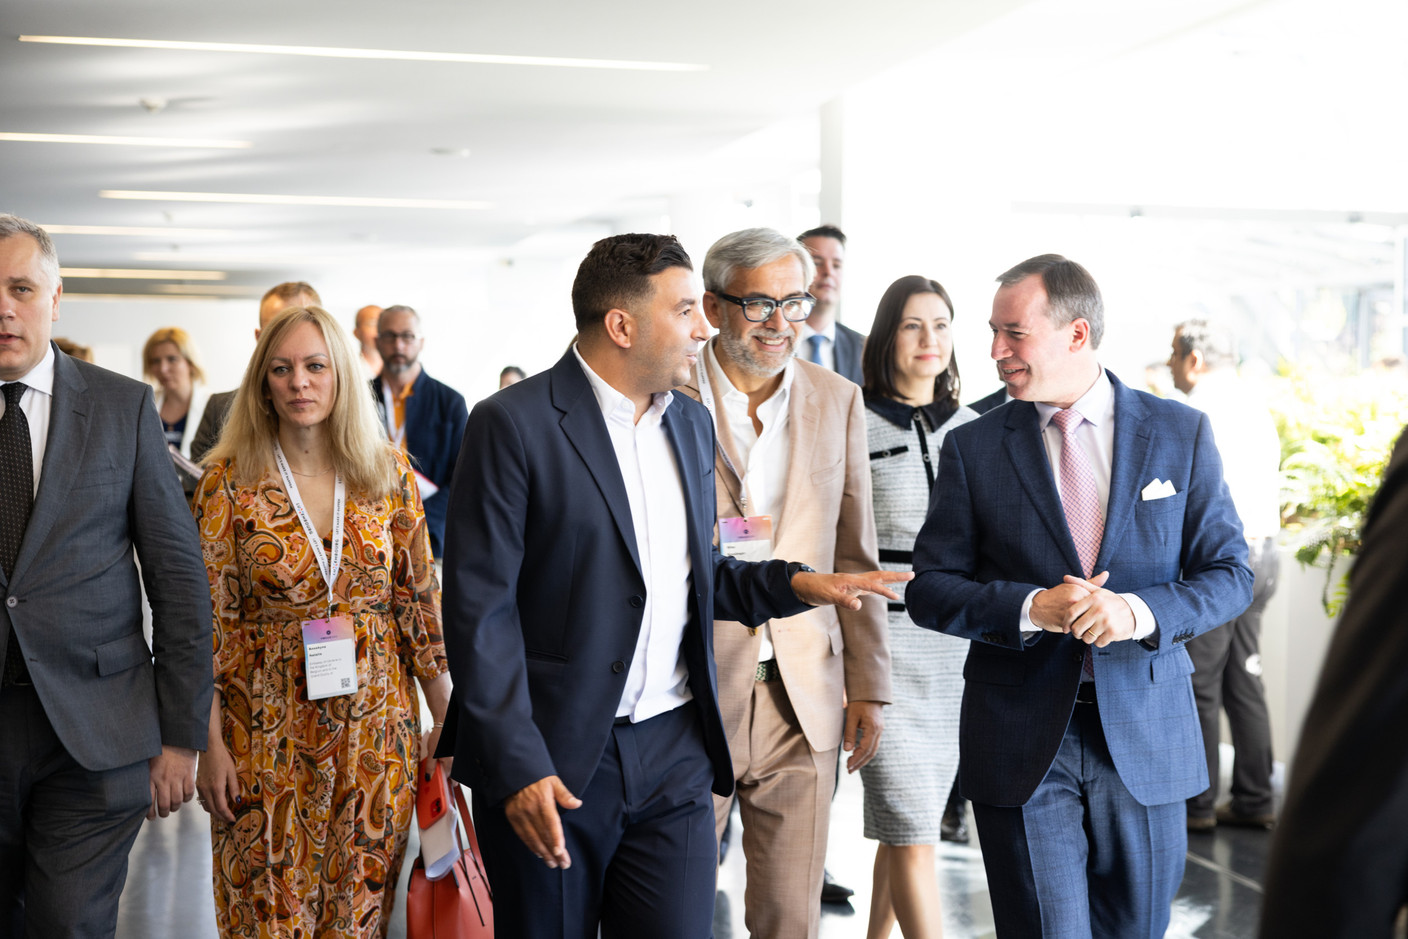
{"x": 327, "y": 786}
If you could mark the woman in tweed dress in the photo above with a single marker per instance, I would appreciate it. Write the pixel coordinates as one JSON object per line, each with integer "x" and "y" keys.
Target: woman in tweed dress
{"x": 911, "y": 399}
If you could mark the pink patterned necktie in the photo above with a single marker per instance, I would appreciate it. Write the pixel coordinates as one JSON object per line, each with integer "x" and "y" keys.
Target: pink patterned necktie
{"x": 1081, "y": 500}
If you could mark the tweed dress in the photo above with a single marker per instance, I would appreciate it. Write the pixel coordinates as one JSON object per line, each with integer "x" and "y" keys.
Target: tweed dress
{"x": 908, "y": 782}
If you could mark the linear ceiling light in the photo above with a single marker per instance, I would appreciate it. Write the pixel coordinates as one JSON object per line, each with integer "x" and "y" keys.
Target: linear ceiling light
{"x": 254, "y": 198}
{"x": 133, "y": 273}
{"x": 278, "y": 260}
{"x": 223, "y": 290}
{"x": 134, "y": 231}
{"x": 472, "y": 58}
{"x": 71, "y": 295}
{"x": 188, "y": 143}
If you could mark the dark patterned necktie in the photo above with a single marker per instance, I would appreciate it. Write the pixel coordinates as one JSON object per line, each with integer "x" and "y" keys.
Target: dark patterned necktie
{"x": 16, "y": 498}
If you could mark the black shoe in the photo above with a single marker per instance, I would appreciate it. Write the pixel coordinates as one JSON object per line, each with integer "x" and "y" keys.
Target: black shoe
{"x": 1225, "y": 816}
{"x": 1202, "y": 824}
{"x": 832, "y": 892}
{"x": 954, "y": 825}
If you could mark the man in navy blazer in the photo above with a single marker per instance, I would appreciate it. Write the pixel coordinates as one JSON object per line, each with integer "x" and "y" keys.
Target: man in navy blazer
{"x": 581, "y": 589}
{"x": 1078, "y": 772}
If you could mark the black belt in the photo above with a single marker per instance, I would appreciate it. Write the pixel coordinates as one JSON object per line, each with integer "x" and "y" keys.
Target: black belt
{"x": 1085, "y": 693}
{"x": 768, "y": 671}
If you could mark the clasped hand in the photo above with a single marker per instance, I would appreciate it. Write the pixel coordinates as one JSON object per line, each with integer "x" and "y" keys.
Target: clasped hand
{"x": 1084, "y": 609}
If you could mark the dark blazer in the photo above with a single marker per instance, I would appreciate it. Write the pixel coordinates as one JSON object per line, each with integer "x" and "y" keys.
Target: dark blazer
{"x": 849, "y": 345}
{"x": 1339, "y": 861}
{"x": 543, "y": 588}
{"x": 435, "y": 419}
{"x": 986, "y": 403}
{"x": 212, "y": 421}
{"x": 996, "y": 531}
{"x": 106, "y": 487}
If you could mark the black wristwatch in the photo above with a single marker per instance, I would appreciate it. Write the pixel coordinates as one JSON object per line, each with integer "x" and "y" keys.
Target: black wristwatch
{"x": 796, "y": 567}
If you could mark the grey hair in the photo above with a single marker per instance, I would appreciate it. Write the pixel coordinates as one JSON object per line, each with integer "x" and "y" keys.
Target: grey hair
{"x": 48, "y": 256}
{"x": 1215, "y": 342}
{"x": 1071, "y": 293}
{"x": 394, "y": 309}
{"x": 752, "y": 248}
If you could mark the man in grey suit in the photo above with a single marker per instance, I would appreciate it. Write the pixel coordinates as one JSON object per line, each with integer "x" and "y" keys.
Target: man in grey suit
{"x": 97, "y": 733}
{"x": 822, "y": 338}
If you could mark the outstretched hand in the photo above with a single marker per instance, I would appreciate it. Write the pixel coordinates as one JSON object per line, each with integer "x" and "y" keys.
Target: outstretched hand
{"x": 845, "y": 590}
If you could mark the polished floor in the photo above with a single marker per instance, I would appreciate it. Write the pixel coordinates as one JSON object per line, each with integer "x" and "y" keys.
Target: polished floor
{"x": 168, "y": 885}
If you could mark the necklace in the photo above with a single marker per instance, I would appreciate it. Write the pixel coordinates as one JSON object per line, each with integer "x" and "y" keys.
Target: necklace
{"x": 310, "y": 475}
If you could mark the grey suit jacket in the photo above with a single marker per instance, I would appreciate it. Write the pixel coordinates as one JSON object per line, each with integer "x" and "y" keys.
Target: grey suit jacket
{"x": 849, "y": 345}
{"x": 106, "y": 487}
{"x": 212, "y": 421}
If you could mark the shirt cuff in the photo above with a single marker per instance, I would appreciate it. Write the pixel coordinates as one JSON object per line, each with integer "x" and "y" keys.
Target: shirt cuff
{"x": 1144, "y": 622}
{"x": 1025, "y": 623}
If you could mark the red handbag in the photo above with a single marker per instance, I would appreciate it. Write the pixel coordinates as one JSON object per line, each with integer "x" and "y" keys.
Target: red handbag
{"x": 460, "y": 904}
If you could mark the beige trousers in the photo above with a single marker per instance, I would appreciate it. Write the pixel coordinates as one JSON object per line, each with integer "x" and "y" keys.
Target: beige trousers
{"x": 784, "y": 798}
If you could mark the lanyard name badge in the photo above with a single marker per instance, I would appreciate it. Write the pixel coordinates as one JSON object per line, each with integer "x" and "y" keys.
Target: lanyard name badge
{"x": 748, "y": 537}
{"x": 330, "y": 643}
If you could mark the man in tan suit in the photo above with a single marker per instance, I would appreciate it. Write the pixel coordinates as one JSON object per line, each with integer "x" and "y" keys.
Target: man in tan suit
{"x": 793, "y": 481}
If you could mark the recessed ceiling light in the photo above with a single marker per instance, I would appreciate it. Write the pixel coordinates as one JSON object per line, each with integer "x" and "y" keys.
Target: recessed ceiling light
{"x": 471, "y": 58}
{"x": 450, "y": 151}
{"x": 254, "y": 198}
{"x": 134, "y": 231}
{"x": 132, "y": 273}
{"x": 184, "y": 142}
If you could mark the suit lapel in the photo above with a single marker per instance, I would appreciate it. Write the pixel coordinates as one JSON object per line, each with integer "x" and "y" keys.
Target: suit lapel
{"x": 723, "y": 439}
{"x": 690, "y": 463}
{"x": 802, "y": 428}
{"x": 63, "y": 453}
{"x": 585, "y": 428}
{"x": 1027, "y": 451}
{"x": 1129, "y": 464}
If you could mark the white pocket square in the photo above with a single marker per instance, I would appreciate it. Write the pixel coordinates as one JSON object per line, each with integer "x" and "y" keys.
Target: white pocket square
{"x": 1157, "y": 490}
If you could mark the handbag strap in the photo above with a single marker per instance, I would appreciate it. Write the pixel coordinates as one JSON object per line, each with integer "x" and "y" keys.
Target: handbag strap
{"x": 468, "y": 824}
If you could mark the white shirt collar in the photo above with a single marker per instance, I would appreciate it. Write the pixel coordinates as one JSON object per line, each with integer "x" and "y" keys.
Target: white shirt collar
{"x": 614, "y": 405}
{"x": 829, "y": 332}
{"x": 1096, "y": 406}
{"x": 41, "y": 377}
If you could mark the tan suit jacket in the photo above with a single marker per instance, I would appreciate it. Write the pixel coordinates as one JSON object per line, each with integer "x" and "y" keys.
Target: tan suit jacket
{"x": 827, "y": 521}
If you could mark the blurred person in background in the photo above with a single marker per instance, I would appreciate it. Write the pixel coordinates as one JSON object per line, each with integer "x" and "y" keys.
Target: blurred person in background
{"x": 69, "y": 347}
{"x": 822, "y": 339}
{"x": 170, "y": 361}
{"x": 911, "y": 401}
{"x": 364, "y": 330}
{"x": 310, "y": 776}
{"x": 511, "y": 374}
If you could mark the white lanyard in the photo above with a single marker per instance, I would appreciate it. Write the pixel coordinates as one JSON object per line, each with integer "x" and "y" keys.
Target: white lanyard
{"x": 706, "y": 396}
{"x": 327, "y": 565}
{"x": 394, "y": 433}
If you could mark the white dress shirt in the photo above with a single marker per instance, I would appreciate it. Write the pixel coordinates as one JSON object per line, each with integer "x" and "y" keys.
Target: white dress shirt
{"x": 1096, "y": 435}
{"x": 658, "y": 680}
{"x": 828, "y": 343}
{"x": 760, "y": 460}
{"x": 36, "y": 403}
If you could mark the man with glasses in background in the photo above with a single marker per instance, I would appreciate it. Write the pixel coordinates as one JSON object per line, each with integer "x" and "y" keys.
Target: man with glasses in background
{"x": 792, "y": 476}
{"x": 424, "y": 417}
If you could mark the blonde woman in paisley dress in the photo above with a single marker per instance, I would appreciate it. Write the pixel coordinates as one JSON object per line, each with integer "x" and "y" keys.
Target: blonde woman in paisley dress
{"x": 911, "y": 399}
{"x": 310, "y": 771}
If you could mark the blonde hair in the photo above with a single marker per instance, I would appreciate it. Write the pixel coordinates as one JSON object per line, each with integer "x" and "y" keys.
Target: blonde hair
{"x": 179, "y": 338}
{"x": 356, "y": 440}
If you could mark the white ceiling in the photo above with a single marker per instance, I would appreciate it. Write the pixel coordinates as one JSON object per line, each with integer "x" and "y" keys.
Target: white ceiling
{"x": 548, "y": 148}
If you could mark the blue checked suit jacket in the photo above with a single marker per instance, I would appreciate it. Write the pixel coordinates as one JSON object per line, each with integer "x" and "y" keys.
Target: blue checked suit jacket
{"x": 996, "y": 531}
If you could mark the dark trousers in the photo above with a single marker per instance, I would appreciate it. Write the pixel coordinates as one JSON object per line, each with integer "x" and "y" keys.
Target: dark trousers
{"x": 642, "y": 845}
{"x": 65, "y": 831}
{"x": 1227, "y": 676}
{"x": 1083, "y": 858}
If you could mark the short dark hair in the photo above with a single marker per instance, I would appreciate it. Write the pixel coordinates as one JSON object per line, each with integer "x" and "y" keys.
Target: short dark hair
{"x": 291, "y": 290}
{"x": 1216, "y": 343}
{"x": 878, "y": 359}
{"x": 1071, "y": 293}
{"x": 512, "y": 370}
{"x": 616, "y": 274}
{"x": 824, "y": 231}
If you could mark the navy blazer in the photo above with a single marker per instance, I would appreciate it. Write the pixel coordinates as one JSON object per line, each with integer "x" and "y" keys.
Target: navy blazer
{"x": 989, "y": 402}
{"x": 435, "y": 419}
{"x": 849, "y": 345}
{"x": 543, "y": 589}
{"x": 996, "y": 531}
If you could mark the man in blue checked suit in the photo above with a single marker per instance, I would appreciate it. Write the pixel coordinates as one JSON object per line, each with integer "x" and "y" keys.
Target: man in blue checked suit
{"x": 1079, "y": 537}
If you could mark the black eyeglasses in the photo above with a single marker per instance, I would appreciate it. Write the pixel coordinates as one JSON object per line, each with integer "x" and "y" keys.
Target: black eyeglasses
{"x": 761, "y": 309}
{"x": 392, "y": 339}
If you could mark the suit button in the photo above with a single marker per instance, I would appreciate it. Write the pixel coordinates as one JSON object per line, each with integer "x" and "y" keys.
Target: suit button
{"x": 618, "y": 667}
{"x": 12, "y": 602}
{"x": 637, "y": 602}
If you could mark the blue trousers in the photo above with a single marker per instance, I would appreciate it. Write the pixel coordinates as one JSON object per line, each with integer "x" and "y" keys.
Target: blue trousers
{"x": 1082, "y": 859}
{"x": 642, "y": 845}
